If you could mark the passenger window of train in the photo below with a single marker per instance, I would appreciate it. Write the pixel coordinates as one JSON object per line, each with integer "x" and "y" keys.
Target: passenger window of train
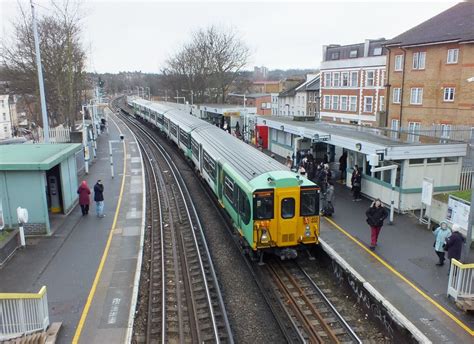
{"x": 287, "y": 208}
{"x": 195, "y": 148}
{"x": 263, "y": 206}
{"x": 229, "y": 189}
{"x": 309, "y": 202}
{"x": 244, "y": 208}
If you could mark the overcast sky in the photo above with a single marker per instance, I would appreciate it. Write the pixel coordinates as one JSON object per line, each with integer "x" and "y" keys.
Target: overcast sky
{"x": 140, "y": 35}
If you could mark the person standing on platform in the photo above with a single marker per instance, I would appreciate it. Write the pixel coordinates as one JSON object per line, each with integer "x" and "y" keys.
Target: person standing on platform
{"x": 454, "y": 244}
{"x": 84, "y": 199}
{"x": 99, "y": 198}
{"x": 376, "y": 214}
{"x": 441, "y": 234}
{"x": 289, "y": 162}
{"x": 343, "y": 166}
{"x": 356, "y": 181}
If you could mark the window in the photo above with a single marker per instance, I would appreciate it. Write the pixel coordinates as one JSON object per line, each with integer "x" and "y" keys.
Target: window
{"x": 450, "y": 160}
{"x": 343, "y": 103}
{"x": 335, "y": 55}
{"x": 445, "y": 130}
{"x": 184, "y": 138}
{"x": 195, "y": 148}
{"x": 263, "y": 205}
{"x": 345, "y": 79}
{"x": 327, "y": 103}
{"x": 209, "y": 165}
{"x": 377, "y": 51}
{"x": 229, "y": 189}
{"x": 327, "y": 79}
{"x": 309, "y": 200}
{"x": 2, "y": 102}
{"x": 310, "y": 97}
{"x": 395, "y": 124}
{"x": 414, "y": 127}
{"x": 353, "y": 103}
{"x": 448, "y": 94}
{"x": 174, "y": 129}
{"x": 382, "y": 103}
{"x": 416, "y": 161}
{"x": 353, "y": 53}
{"x": 244, "y": 207}
{"x": 335, "y": 79}
{"x": 416, "y": 96}
{"x": 433, "y": 160}
{"x": 419, "y": 60}
{"x": 354, "y": 76}
{"x": 287, "y": 208}
{"x": 369, "y": 78}
{"x": 335, "y": 102}
{"x": 368, "y": 101}
{"x": 4, "y": 116}
{"x": 397, "y": 92}
{"x": 398, "y": 63}
{"x": 453, "y": 55}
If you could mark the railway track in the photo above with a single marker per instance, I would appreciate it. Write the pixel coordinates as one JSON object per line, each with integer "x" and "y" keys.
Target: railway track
{"x": 184, "y": 301}
{"x": 304, "y": 313}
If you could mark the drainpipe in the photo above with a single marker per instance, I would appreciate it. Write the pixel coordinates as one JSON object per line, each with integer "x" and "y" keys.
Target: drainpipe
{"x": 402, "y": 88}
{"x": 295, "y": 149}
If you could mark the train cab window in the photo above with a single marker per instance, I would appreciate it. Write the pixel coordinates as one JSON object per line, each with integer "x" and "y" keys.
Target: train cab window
{"x": 287, "y": 208}
{"x": 309, "y": 201}
{"x": 263, "y": 205}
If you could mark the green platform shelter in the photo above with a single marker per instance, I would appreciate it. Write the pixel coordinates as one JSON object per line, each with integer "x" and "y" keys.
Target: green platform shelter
{"x": 41, "y": 178}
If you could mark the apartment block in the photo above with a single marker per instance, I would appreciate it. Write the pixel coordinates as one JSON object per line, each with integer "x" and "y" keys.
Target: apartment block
{"x": 5, "y": 117}
{"x": 430, "y": 79}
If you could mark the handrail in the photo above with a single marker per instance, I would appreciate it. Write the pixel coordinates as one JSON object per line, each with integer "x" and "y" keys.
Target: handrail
{"x": 12, "y": 296}
{"x": 462, "y": 265}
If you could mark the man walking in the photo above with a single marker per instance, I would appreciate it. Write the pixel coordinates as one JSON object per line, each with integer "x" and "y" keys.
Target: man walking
{"x": 99, "y": 198}
{"x": 376, "y": 214}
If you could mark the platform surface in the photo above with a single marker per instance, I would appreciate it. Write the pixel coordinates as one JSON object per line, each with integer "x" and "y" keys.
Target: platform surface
{"x": 68, "y": 261}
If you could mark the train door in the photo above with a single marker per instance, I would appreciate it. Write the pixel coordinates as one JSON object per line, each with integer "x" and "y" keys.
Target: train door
{"x": 220, "y": 180}
{"x": 200, "y": 158}
{"x": 286, "y": 204}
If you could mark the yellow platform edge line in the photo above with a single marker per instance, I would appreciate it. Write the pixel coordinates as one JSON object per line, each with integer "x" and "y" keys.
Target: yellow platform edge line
{"x": 98, "y": 274}
{"x": 403, "y": 278}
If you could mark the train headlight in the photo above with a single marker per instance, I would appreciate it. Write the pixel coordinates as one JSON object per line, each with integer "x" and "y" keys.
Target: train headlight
{"x": 307, "y": 231}
{"x": 264, "y": 237}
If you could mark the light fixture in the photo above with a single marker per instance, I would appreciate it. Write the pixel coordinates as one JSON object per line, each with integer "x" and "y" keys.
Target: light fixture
{"x": 358, "y": 146}
{"x": 264, "y": 237}
{"x": 282, "y": 127}
{"x": 264, "y": 121}
{"x": 307, "y": 231}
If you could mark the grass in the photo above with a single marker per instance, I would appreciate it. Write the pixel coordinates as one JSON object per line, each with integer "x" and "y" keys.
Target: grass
{"x": 465, "y": 195}
{"x": 4, "y": 234}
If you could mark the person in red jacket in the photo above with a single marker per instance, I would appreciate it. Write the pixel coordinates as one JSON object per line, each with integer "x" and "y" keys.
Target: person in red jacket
{"x": 84, "y": 199}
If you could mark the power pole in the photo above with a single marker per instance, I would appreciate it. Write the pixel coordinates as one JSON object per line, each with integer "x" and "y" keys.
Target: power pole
{"x": 40, "y": 76}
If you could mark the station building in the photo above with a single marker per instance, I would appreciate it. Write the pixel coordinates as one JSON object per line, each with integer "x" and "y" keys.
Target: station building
{"x": 41, "y": 178}
{"x": 416, "y": 156}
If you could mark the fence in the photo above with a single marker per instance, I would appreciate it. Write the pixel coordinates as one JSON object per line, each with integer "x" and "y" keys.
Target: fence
{"x": 446, "y": 131}
{"x": 22, "y": 314}
{"x": 461, "y": 281}
{"x": 56, "y": 135}
{"x": 465, "y": 181}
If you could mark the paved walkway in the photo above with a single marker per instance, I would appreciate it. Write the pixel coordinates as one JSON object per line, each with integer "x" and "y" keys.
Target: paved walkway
{"x": 67, "y": 262}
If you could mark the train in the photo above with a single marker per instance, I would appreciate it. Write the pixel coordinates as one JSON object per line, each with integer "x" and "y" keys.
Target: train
{"x": 272, "y": 208}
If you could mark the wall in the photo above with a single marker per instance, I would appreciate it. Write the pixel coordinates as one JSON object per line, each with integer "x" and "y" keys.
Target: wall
{"x": 28, "y": 190}
{"x": 69, "y": 183}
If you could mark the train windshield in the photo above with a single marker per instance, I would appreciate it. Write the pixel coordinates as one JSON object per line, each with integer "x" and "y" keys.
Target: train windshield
{"x": 263, "y": 205}
{"x": 309, "y": 202}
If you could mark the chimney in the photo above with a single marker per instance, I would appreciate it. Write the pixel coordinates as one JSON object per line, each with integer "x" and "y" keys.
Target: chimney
{"x": 366, "y": 47}
{"x": 325, "y": 49}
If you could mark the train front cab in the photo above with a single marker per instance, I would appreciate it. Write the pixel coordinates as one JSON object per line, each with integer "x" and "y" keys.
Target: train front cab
{"x": 285, "y": 218}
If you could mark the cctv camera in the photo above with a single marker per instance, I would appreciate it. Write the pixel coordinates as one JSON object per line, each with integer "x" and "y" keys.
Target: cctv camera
{"x": 121, "y": 137}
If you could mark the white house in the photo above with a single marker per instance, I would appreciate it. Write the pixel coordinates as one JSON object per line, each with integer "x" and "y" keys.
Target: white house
{"x": 293, "y": 102}
{"x": 5, "y": 117}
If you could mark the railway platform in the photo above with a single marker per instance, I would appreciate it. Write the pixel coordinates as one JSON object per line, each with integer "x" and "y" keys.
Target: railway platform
{"x": 89, "y": 264}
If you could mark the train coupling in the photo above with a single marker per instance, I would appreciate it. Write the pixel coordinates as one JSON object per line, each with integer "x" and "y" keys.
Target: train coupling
{"x": 288, "y": 253}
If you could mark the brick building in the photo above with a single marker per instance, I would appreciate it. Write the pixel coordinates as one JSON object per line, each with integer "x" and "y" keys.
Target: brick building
{"x": 352, "y": 86}
{"x": 430, "y": 78}
{"x": 261, "y": 101}
{"x": 5, "y": 117}
{"x": 267, "y": 86}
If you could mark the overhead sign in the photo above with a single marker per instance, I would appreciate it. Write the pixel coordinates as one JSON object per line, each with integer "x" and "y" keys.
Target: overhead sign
{"x": 320, "y": 138}
{"x": 427, "y": 191}
{"x": 458, "y": 212}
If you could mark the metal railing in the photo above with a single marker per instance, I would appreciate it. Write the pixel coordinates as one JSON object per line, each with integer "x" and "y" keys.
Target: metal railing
{"x": 465, "y": 180}
{"x": 23, "y": 313}
{"x": 461, "y": 280}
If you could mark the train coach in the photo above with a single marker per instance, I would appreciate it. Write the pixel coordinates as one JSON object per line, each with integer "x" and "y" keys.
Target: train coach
{"x": 272, "y": 208}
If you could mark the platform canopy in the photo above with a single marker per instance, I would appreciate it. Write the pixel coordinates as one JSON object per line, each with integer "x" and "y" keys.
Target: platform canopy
{"x": 35, "y": 157}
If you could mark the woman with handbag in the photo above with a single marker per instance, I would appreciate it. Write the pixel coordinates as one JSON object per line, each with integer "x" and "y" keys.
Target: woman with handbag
{"x": 441, "y": 234}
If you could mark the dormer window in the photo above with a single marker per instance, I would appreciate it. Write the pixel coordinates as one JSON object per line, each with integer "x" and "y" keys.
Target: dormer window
{"x": 377, "y": 51}
{"x": 335, "y": 55}
{"x": 353, "y": 53}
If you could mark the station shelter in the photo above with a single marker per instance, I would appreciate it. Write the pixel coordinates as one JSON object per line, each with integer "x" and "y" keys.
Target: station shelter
{"x": 416, "y": 156}
{"x": 41, "y": 178}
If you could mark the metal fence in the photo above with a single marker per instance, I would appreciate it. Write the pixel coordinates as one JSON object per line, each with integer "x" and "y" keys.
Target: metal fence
{"x": 23, "y": 313}
{"x": 56, "y": 135}
{"x": 465, "y": 182}
{"x": 454, "y": 132}
{"x": 461, "y": 281}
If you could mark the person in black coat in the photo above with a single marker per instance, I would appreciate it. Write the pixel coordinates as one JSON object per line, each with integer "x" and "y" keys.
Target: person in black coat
{"x": 454, "y": 244}
{"x": 356, "y": 181}
{"x": 99, "y": 198}
{"x": 376, "y": 214}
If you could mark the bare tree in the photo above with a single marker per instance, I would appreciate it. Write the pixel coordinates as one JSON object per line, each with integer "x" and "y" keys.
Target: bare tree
{"x": 62, "y": 57}
{"x": 208, "y": 64}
